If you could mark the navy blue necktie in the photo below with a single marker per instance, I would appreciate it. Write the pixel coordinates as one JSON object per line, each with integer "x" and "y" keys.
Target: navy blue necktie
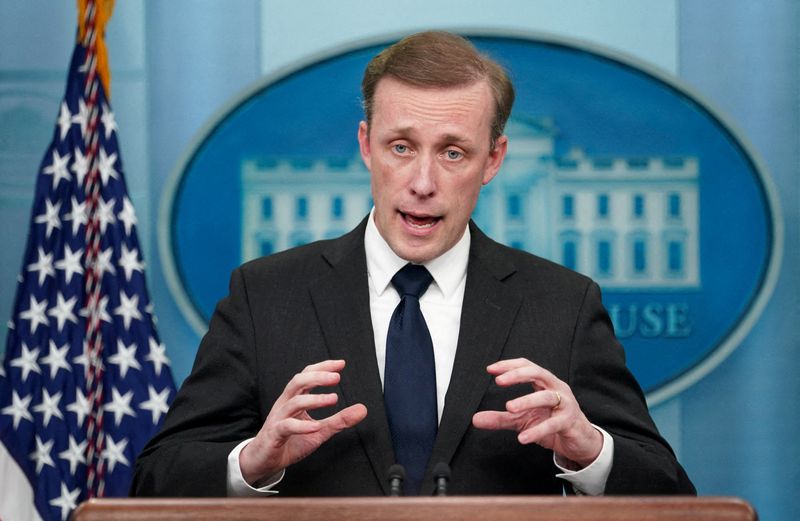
{"x": 409, "y": 383}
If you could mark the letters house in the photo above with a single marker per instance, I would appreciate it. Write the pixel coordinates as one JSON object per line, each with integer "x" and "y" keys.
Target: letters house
{"x": 630, "y": 223}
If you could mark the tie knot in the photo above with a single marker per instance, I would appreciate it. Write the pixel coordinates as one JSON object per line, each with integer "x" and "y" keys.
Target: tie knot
{"x": 412, "y": 279}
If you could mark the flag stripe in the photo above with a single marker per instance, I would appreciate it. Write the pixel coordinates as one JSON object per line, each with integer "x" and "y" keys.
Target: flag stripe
{"x": 16, "y": 494}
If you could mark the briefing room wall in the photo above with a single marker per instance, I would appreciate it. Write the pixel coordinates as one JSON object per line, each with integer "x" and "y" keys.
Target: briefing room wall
{"x": 176, "y": 63}
{"x": 748, "y": 65}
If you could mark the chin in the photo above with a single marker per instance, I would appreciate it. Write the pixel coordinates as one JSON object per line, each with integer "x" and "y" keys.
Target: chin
{"x": 415, "y": 254}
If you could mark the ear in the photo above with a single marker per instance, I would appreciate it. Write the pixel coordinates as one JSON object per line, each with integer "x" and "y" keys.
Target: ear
{"x": 363, "y": 144}
{"x": 495, "y": 159}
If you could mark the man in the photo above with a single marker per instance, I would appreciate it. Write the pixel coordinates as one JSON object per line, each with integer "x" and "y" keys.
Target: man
{"x": 307, "y": 383}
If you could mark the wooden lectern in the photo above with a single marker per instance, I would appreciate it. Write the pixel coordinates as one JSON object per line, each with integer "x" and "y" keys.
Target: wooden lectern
{"x": 452, "y": 508}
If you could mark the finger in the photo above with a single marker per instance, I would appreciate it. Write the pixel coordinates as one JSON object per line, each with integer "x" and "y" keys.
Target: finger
{"x": 305, "y": 381}
{"x": 517, "y": 370}
{"x": 305, "y": 402}
{"x": 344, "y": 419}
{"x": 288, "y": 427}
{"x": 542, "y": 430}
{"x": 314, "y": 375}
{"x": 503, "y": 366}
{"x": 545, "y": 399}
{"x": 540, "y": 377}
{"x": 495, "y": 420}
{"x": 323, "y": 371}
{"x": 325, "y": 365}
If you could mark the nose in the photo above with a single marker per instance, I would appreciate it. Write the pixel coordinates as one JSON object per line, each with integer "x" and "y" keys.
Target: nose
{"x": 423, "y": 180}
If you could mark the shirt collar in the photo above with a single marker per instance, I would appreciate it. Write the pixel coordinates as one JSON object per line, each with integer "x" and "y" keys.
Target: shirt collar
{"x": 448, "y": 269}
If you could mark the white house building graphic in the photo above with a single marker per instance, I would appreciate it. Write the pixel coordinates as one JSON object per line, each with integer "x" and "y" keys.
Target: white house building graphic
{"x": 630, "y": 223}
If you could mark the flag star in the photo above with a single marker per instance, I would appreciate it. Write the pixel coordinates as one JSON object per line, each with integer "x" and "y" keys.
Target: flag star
{"x": 74, "y": 454}
{"x": 129, "y": 260}
{"x": 127, "y": 215}
{"x": 19, "y": 408}
{"x": 67, "y": 501}
{"x": 78, "y": 214}
{"x": 149, "y": 309}
{"x": 62, "y": 311}
{"x": 42, "y": 454}
{"x": 125, "y": 358}
{"x": 27, "y": 361}
{"x": 58, "y": 168}
{"x": 83, "y": 359}
{"x": 120, "y": 405}
{"x": 106, "y": 166}
{"x": 114, "y": 453}
{"x": 64, "y": 120}
{"x": 49, "y": 406}
{"x": 50, "y": 216}
{"x": 105, "y": 213}
{"x": 109, "y": 123}
{"x": 102, "y": 262}
{"x": 157, "y": 404}
{"x": 57, "y": 359}
{"x": 35, "y": 313}
{"x": 157, "y": 355}
{"x": 128, "y": 309}
{"x": 101, "y": 313}
{"x": 71, "y": 263}
{"x": 80, "y": 407}
{"x": 44, "y": 265}
{"x": 82, "y": 117}
{"x": 80, "y": 165}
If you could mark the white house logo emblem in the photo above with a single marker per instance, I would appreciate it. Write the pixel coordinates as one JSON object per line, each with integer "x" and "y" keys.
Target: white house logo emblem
{"x": 612, "y": 170}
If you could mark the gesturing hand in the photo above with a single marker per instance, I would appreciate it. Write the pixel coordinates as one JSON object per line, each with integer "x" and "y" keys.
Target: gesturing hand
{"x": 289, "y": 434}
{"x": 550, "y": 416}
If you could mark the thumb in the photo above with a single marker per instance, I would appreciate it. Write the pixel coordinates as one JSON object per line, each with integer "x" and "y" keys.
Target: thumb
{"x": 344, "y": 419}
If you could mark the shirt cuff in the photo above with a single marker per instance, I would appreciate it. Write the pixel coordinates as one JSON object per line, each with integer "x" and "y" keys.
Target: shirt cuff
{"x": 591, "y": 480}
{"x": 238, "y": 487}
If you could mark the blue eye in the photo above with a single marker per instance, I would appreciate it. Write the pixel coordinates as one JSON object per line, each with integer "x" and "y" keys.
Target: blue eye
{"x": 454, "y": 154}
{"x": 400, "y": 149}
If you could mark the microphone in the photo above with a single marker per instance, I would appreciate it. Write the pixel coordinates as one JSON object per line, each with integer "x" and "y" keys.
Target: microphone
{"x": 396, "y": 476}
{"x": 441, "y": 475}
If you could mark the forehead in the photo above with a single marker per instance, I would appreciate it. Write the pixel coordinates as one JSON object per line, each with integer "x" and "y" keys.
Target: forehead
{"x": 401, "y": 105}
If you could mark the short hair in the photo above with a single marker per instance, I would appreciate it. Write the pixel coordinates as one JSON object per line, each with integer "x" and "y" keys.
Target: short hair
{"x": 439, "y": 59}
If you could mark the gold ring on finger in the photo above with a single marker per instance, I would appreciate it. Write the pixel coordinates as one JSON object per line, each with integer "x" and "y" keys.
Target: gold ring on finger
{"x": 558, "y": 400}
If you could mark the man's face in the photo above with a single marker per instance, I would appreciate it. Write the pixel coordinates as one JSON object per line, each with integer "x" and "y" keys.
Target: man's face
{"x": 428, "y": 150}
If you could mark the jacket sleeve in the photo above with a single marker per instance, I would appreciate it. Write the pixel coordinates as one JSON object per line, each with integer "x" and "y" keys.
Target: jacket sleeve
{"x": 215, "y": 409}
{"x": 612, "y": 399}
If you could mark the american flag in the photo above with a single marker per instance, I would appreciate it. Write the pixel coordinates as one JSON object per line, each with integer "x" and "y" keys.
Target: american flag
{"x": 85, "y": 381}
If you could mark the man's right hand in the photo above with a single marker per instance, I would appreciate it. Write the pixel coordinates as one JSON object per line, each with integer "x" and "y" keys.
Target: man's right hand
{"x": 289, "y": 434}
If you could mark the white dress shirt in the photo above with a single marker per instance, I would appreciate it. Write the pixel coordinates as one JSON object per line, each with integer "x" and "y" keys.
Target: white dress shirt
{"x": 441, "y": 307}
{"x": 440, "y": 304}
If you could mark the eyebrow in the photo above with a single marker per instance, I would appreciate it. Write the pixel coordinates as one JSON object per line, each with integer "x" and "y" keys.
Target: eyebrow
{"x": 449, "y": 138}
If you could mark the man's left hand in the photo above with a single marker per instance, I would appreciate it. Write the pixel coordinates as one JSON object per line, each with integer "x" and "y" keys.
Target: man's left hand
{"x": 549, "y": 416}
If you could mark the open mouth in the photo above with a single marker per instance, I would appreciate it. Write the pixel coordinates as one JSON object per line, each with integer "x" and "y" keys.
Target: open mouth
{"x": 420, "y": 222}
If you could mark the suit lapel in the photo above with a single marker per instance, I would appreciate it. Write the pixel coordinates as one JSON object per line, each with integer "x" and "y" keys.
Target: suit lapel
{"x": 488, "y": 311}
{"x": 341, "y": 301}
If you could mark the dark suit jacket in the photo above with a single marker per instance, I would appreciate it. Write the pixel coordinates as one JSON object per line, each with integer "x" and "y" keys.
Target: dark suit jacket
{"x": 309, "y": 304}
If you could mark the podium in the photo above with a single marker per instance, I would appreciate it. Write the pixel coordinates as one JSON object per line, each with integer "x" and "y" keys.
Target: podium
{"x": 451, "y": 508}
